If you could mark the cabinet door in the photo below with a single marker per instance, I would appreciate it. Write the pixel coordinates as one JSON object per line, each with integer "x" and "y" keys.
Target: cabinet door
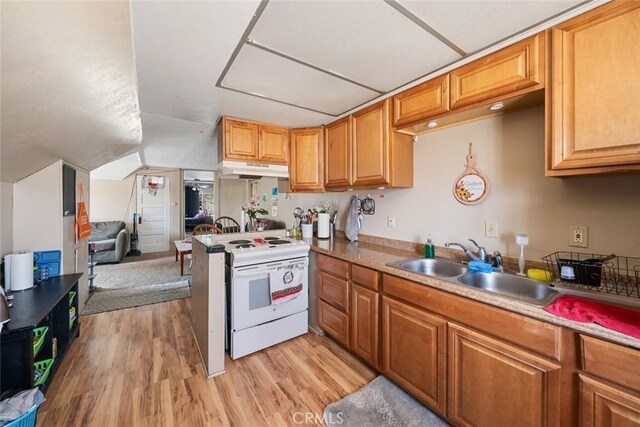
{"x": 492, "y": 383}
{"x": 595, "y": 97}
{"x": 335, "y": 291}
{"x": 414, "y": 352}
{"x": 338, "y": 154}
{"x": 370, "y": 141}
{"x": 602, "y": 405}
{"x": 503, "y": 73}
{"x": 364, "y": 323}
{"x": 240, "y": 140}
{"x": 334, "y": 322}
{"x": 421, "y": 102}
{"x": 273, "y": 144}
{"x": 306, "y": 170}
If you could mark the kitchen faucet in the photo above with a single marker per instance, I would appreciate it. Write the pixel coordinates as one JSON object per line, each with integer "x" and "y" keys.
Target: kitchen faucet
{"x": 495, "y": 260}
{"x": 482, "y": 253}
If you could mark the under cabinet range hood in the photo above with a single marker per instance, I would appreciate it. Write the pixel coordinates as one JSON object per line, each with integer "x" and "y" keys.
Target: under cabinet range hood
{"x": 235, "y": 169}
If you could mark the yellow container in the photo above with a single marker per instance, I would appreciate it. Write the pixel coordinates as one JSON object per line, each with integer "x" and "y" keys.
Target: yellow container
{"x": 539, "y": 274}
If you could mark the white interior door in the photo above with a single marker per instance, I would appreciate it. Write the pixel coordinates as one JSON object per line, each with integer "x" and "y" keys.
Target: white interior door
{"x": 153, "y": 218}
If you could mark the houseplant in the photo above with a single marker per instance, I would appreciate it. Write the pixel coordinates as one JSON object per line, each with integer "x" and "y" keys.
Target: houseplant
{"x": 252, "y": 209}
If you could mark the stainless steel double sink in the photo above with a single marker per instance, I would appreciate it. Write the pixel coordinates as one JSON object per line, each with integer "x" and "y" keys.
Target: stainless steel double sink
{"x": 508, "y": 285}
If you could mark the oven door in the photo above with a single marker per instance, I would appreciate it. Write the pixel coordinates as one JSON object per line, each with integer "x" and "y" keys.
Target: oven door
{"x": 251, "y": 295}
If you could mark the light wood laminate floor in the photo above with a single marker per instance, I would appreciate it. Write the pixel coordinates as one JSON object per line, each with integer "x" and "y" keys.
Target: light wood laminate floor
{"x": 141, "y": 367}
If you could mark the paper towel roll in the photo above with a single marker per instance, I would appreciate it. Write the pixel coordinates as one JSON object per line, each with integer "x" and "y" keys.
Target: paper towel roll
{"x": 20, "y": 271}
{"x": 323, "y": 226}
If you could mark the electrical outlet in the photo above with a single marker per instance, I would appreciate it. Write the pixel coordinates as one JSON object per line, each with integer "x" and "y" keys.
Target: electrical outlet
{"x": 391, "y": 221}
{"x": 491, "y": 228}
{"x": 579, "y": 236}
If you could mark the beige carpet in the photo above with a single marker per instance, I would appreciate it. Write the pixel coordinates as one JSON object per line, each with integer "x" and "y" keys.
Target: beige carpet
{"x": 102, "y": 300}
{"x": 380, "y": 403}
{"x": 145, "y": 270}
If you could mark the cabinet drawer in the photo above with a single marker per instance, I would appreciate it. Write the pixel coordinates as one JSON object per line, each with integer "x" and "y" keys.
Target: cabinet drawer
{"x": 334, "y": 291}
{"x": 334, "y": 322}
{"x": 365, "y": 277}
{"x": 610, "y": 361}
{"x": 502, "y": 73}
{"x": 533, "y": 334}
{"x": 421, "y": 102}
{"x": 334, "y": 266}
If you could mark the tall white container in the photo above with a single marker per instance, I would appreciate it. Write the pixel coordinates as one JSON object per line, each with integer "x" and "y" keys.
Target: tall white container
{"x": 19, "y": 271}
{"x": 323, "y": 226}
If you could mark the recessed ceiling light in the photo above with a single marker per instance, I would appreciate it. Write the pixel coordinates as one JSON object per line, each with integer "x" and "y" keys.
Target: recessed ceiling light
{"x": 497, "y": 106}
{"x": 432, "y": 124}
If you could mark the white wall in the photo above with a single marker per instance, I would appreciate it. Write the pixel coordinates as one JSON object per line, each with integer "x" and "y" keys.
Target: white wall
{"x": 232, "y": 194}
{"x": 6, "y": 218}
{"x": 37, "y": 211}
{"x": 113, "y": 200}
{"x": 510, "y": 150}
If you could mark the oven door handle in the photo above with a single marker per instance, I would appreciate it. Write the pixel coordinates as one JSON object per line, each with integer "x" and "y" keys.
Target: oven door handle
{"x": 256, "y": 270}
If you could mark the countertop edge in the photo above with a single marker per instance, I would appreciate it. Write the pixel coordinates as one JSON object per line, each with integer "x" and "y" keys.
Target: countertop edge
{"x": 473, "y": 294}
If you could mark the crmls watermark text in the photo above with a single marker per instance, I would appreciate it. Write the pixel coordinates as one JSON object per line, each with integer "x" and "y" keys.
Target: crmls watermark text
{"x": 313, "y": 418}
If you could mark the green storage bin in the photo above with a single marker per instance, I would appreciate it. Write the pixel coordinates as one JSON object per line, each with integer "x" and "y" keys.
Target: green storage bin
{"x": 38, "y": 338}
{"x": 72, "y": 295}
{"x": 41, "y": 371}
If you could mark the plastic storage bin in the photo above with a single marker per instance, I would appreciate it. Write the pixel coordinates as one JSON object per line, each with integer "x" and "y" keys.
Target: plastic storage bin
{"x": 27, "y": 420}
{"x": 41, "y": 371}
{"x": 38, "y": 338}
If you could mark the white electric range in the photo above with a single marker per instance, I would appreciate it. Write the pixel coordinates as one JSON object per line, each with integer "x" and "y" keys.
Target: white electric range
{"x": 254, "y": 322}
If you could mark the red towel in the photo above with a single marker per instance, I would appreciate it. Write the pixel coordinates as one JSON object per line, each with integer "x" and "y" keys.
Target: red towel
{"x": 624, "y": 320}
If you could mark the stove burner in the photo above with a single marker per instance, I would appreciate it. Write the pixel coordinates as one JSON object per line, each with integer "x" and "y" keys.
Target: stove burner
{"x": 271, "y": 238}
{"x": 279, "y": 242}
{"x": 239, "y": 242}
{"x": 245, "y": 245}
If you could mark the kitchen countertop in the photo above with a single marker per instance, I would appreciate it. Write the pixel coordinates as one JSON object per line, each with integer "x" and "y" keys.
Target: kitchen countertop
{"x": 377, "y": 257}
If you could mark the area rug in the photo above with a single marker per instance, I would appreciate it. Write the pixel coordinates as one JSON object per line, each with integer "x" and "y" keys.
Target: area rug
{"x": 102, "y": 300}
{"x": 380, "y": 403}
{"x": 148, "y": 269}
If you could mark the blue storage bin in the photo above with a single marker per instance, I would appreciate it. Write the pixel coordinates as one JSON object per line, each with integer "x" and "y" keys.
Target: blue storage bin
{"x": 27, "y": 420}
{"x": 52, "y": 260}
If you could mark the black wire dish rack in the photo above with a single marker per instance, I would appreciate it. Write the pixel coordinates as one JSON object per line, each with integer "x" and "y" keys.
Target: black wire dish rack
{"x": 613, "y": 278}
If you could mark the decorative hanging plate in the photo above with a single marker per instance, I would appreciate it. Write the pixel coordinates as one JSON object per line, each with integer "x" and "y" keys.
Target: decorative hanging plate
{"x": 471, "y": 186}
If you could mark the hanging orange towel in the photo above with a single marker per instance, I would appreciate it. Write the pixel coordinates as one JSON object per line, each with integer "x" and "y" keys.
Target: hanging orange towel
{"x": 82, "y": 219}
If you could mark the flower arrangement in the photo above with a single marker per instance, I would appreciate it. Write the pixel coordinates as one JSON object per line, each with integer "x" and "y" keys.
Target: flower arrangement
{"x": 253, "y": 208}
{"x": 324, "y": 206}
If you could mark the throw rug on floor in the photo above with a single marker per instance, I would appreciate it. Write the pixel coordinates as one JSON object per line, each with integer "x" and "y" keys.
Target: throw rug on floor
{"x": 102, "y": 300}
{"x": 380, "y": 403}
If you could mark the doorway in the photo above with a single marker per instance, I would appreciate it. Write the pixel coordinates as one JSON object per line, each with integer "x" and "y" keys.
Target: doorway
{"x": 199, "y": 199}
{"x": 153, "y": 208}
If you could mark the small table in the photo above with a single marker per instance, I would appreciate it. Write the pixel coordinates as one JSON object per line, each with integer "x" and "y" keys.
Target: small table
{"x": 182, "y": 248}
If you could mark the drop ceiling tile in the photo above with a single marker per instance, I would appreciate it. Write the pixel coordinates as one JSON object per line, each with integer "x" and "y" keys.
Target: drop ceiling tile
{"x": 257, "y": 71}
{"x": 366, "y": 41}
{"x": 473, "y": 25}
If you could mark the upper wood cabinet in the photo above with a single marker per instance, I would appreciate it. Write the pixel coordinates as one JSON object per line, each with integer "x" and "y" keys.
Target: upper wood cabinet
{"x": 505, "y": 72}
{"x": 273, "y": 144}
{"x": 306, "y": 172}
{"x": 338, "y": 154}
{"x": 244, "y": 140}
{"x": 492, "y": 383}
{"x": 371, "y": 154}
{"x": 421, "y": 102}
{"x": 593, "y": 104}
{"x": 513, "y": 76}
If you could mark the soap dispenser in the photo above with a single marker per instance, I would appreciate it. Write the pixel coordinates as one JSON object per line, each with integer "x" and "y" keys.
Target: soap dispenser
{"x": 429, "y": 248}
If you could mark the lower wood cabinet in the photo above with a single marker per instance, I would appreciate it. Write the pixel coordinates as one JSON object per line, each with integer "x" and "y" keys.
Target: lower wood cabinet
{"x": 492, "y": 383}
{"x": 364, "y": 323}
{"x": 602, "y": 405}
{"x": 334, "y": 322}
{"x": 414, "y": 352}
{"x": 334, "y": 291}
